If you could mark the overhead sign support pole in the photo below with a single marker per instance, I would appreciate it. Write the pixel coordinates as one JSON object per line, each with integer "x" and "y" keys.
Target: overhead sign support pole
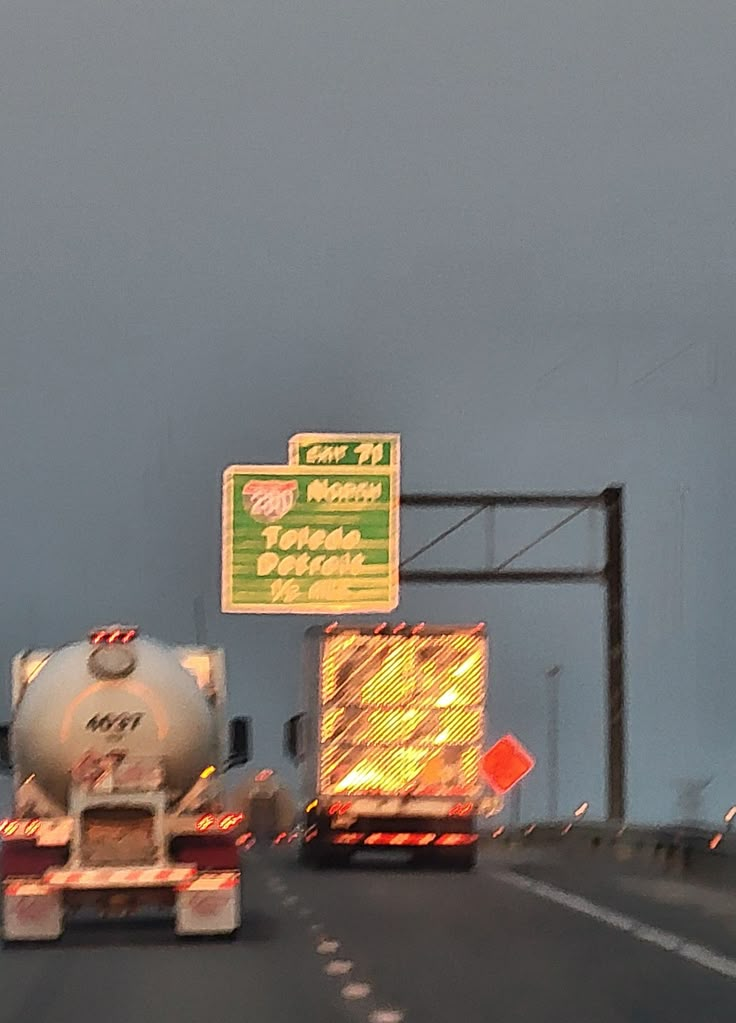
{"x": 614, "y": 577}
{"x": 610, "y": 502}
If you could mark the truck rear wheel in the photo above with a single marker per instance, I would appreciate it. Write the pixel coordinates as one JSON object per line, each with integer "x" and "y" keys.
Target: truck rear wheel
{"x": 322, "y": 856}
{"x": 460, "y": 859}
{"x": 305, "y": 855}
{"x": 335, "y": 859}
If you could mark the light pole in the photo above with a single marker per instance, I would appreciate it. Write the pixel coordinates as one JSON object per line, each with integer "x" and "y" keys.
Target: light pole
{"x": 553, "y": 739}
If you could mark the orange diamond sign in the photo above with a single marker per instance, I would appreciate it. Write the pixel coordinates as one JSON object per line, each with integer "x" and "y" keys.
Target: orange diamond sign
{"x": 505, "y": 764}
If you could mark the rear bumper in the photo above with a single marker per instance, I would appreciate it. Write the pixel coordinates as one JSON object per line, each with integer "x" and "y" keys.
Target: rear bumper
{"x": 394, "y": 839}
{"x": 203, "y": 903}
{"x": 392, "y": 832}
{"x": 103, "y": 878}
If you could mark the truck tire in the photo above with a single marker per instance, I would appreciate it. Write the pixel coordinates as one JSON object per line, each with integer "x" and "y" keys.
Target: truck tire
{"x": 335, "y": 859}
{"x": 322, "y": 857}
{"x": 461, "y": 859}
{"x": 305, "y": 855}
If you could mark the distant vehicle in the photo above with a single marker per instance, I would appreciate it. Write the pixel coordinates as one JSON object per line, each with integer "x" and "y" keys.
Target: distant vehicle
{"x": 390, "y": 741}
{"x": 267, "y": 805}
{"x": 118, "y": 746}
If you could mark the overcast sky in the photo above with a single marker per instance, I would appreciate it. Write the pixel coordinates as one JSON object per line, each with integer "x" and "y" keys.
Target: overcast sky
{"x": 504, "y": 229}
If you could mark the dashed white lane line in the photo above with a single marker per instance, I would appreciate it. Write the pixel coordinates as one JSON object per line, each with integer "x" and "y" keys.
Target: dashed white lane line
{"x": 653, "y": 935}
{"x": 354, "y": 992}
{"x": 338, "y": 967}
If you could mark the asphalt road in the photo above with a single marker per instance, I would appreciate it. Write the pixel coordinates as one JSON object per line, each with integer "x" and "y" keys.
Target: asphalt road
{"x": 383, "y": 943}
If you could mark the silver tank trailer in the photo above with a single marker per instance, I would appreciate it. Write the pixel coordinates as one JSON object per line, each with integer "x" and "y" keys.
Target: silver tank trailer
{"x": 135, "y": 698}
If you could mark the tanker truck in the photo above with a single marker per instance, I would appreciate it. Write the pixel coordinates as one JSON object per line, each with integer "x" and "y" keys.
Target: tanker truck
{"x": 389, "y": 743}
{"x": 117, "y": 747}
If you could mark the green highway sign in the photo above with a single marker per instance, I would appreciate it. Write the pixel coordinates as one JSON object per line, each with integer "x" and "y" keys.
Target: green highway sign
{"x": 343, "y": 449}
{"x": 317, "y": 536}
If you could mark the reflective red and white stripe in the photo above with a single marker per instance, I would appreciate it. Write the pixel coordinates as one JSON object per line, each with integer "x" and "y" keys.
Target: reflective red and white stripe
{"x": 212, "y": 882}
{"x": 400, "y": 838}
{"x": 26, "y": 888}
{"x": 120, "y": 877}
{"x": 456, "y": 839}
{"x": 50, "y": 831}
{"x": 391, "y": 838}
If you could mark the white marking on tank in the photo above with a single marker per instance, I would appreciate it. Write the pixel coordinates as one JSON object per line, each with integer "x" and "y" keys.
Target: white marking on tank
{"x": 327, "y": 947}
{"x": 386, "y": 1016}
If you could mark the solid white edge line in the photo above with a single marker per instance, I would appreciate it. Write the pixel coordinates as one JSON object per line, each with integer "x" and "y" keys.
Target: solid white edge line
{"x": 669, "y": 942}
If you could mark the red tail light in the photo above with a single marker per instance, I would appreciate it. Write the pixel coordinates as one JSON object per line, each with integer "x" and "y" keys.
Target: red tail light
{"x": 206, "y": 852}
{"x": 26, "y": 859}
{"x": 338, "y": 808}
{"x": 208, "y": 822}
{"x": 230, "y": 821}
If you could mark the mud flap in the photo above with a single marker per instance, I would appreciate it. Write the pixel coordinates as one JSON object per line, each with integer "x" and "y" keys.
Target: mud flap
{"x": 32, "y": 912}
{"x": 209, "y": 905}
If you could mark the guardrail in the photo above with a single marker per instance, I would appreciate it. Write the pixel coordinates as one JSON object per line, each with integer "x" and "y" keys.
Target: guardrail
{"x": 698, "y": 851}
